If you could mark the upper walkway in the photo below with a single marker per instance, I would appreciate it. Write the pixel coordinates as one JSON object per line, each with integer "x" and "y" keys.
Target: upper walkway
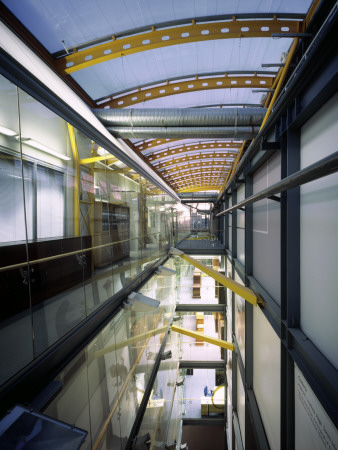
{"x": 201, "y": 243}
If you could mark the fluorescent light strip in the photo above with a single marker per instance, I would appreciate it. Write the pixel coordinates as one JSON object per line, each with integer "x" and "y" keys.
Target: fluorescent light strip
{"x": 7, "y": 131}
{"x": 44, "y": 148}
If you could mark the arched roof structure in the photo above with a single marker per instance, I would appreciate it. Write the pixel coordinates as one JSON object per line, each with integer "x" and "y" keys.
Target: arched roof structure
{"x": 172, "y": 54}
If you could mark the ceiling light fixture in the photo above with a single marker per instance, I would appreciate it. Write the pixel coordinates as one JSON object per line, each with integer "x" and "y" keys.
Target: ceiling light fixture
{"x": 7, "y": 131}
{"x": 44, "y": 148}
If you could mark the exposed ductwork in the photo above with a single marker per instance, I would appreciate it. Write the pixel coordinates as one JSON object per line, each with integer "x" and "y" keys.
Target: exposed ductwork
{"x": 181, "y": 117}
{"x": 248, "y": 132}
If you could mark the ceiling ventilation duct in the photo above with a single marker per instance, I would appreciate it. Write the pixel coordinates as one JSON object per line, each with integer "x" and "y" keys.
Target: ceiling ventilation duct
{"x": 181, "y": 117}
{"x": 184, "y": 132}
{"x": 180, "y": 123}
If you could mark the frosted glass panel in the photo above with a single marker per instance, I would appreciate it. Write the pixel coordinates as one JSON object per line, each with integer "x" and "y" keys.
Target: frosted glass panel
{"x": 241, "y": 226}
{"x": 319, "y": 238}
{"x": 50, "y": 203}
{"x": 266, "y": 230}
{"x": 12, "y": 221}
{"x": 241, "y": 405}
{"x": 266, "y": 379}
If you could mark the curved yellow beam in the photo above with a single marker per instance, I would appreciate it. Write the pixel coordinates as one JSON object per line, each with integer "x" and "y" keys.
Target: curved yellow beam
{"x": 194, "y": 177}
{"x": 202, "y": 187}
{"x": 185, "y": 150}
{"x": 194, "y": 32}
{"x": 180, "y": 87}
{"x": 194, "y": 158}
{"x": 213, "y": 166}
{"x": 142, "y": 146}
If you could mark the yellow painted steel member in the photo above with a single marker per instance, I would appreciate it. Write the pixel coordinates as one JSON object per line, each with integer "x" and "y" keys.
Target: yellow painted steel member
{"x": 243, "y": 291}
{"x": 179, "y": 87}
{"x": 77, "y": 184}
{"x": 193, "y": 32}
{"x": 203, "y": 337}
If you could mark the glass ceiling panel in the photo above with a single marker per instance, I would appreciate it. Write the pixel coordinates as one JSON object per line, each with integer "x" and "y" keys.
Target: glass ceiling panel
{"x": 178, "y": 61}
{"x": 78, "y": 21}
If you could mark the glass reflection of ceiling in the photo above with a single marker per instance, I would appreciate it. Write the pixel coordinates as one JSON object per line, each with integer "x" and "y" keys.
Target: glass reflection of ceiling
{"x": 78, "y": 21}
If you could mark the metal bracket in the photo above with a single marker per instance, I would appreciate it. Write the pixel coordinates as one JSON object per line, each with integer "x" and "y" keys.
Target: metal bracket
{"x": 269, "y": 146}
{"x": 260, "y": 301}
{"x": 275, "y": 198}
{"x": 167, "y": 355}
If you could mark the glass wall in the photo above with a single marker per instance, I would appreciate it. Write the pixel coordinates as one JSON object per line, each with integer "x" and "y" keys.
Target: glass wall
{"x": 104, "y": 386}
{"x": 76, "y": 226}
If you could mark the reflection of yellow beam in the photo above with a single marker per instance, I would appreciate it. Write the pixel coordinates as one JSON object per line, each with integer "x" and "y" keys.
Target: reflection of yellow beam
{"x": 98, "y": 158}
{"x": 76, "y": 196}
{"x": 202, "y": 337}
{"x": 165, "y": 37}
{"x": 243, "y": 291}
{"x": 128, "y": 342}
{"x": 98, "y": 443}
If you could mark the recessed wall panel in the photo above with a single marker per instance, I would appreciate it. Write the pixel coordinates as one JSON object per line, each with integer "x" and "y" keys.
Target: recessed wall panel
{"x": 266, "y": 230}
{"x": 266, "y": 376}
{"x": 319, "y": 235}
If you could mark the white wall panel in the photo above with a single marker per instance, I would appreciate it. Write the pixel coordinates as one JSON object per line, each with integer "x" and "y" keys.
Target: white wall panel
{"x": 266, "y": 230}
{"x": 241, "y": 405}
{"x": 319, "y": 235}
{"x": 266, "y": 379}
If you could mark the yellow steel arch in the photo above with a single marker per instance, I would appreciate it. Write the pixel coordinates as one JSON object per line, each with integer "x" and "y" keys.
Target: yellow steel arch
{"x": 192, "y": 159}
{"x": 193, "y": 32}
{"x": 202, "y": 187}
{"x": 180, "y": 87}
{"x": 184, "y": 149}
{"x": 181, "y": 169}
{"x": 196, "y": 176}
{"x": 146, "y": 145}
{"x": 193, "y": 181}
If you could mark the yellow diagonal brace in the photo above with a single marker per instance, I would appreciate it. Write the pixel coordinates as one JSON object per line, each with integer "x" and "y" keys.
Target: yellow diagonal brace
{"x": 202, "y": 337}
{"x": 243, "y": 291}
{"x": 129, "y": 342}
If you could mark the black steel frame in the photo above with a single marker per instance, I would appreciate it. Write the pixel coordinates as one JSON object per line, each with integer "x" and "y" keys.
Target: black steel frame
{"x": 302, "y": 97}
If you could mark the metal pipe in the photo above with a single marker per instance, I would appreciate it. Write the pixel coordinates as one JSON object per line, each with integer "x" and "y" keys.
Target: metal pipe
{"x": 180, "y": 117}
{"x": 184, "y": 132}
{"x": 324, "y": 167}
